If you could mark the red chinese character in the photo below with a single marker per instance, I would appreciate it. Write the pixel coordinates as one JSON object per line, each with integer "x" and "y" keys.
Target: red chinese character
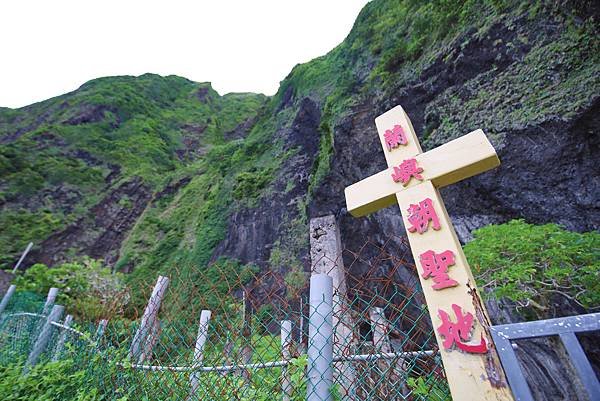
{"x": 420, "y": 215}
{"x": 456, "y": 333}
{"x": 406, "y": 170}
{"x": 395, "y": 137}
{"x": 436, "y": 265}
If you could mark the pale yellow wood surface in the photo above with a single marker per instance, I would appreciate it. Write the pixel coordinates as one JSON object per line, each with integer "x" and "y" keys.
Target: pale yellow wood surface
{"x": 387, "y": 121}
{"x": 454, "y": 161}
{"x": 447, "y": 164}
{"x": 464, "y": 371}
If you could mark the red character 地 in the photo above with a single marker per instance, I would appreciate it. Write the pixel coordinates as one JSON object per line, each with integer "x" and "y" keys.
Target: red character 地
{"x": 395, "y": 137}
{"x": 435, "y": 265}
{"x": 420, "y": 215}
{"x": 406, "y": 170}
{"x": 456, "y": 333}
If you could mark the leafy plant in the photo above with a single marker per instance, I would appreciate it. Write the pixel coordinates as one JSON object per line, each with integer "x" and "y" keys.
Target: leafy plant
{"x": 87, "y": 288}
{"x": 537, "y": 265}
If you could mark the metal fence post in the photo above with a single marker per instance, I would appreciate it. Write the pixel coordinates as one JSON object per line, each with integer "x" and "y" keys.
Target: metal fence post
{"x": 100, "y": 331}
{"x": 393, "y": 370}
{"x": 22, "y": 258}
{"x": 60, "y": 344}
{"x": 144, "y": 336}
{"x": 286, "y": 342}
{"x": 44, "y": 337}
{"x": 50, "y": 299}
{"x": 320, "y": 339}
{"x": 201, "y": 338}
{"x": 326, "y": 257}
{"x": 6, "y": 297}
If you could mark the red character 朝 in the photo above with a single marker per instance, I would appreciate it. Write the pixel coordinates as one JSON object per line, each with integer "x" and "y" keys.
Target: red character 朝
{"x": 435, "y": 265}
{"x": 406, "y": 170}
{"x": 420, "y": 215}
{"x": 460, "y": 332}
{"x": 395, "y": 137}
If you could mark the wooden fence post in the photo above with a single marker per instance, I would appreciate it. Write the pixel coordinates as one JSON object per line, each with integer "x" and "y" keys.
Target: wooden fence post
{"x": 44, "y": 337}
{"x": 147, "y": 333}
{"x": 286, "y": 343}
{"x": 201, "y": 338}
{"x": 326, "y": 258}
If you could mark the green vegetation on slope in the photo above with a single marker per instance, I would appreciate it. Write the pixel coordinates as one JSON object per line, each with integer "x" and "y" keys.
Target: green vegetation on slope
{"x": 167, "y": 130}
{"x": 536, "y": 266}
{"x": 65, "y": 153}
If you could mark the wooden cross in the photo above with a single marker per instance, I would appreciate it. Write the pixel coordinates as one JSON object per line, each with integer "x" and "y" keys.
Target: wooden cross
{"x": 457, "y": 312}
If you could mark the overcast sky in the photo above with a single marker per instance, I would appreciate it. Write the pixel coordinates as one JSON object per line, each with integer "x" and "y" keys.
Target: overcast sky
{"x": 49, "y": 47}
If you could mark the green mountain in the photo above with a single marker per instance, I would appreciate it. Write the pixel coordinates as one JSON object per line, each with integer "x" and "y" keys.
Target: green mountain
{"x": 151, "y": 173}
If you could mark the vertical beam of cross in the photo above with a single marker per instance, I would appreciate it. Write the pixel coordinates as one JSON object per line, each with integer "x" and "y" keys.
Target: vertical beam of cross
{"x": 457, "y": 313}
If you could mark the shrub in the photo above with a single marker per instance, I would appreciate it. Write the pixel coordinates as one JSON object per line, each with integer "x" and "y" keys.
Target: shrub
{"x": 88, "y": 289}
{"x": 536, "y": 266}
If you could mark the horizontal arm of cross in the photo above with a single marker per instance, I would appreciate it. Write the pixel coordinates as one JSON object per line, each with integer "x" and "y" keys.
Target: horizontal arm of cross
{"x": 452, "y": 162}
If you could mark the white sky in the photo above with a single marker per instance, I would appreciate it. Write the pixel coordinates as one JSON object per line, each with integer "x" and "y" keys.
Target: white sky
{"x": 49, "y": 47}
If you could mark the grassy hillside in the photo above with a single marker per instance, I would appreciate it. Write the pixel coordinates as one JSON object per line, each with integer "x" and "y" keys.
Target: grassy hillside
{"x": 61, "y": 156}
{"x": 197, "y": 158}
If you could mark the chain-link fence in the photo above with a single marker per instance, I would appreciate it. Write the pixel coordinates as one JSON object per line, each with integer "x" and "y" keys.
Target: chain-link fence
{"x": 356, "y": 327}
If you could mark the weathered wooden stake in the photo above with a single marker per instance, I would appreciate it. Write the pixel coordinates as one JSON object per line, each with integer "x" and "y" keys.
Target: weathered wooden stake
{"x": 326, "y": 257}
{"x": 6, "y": 297}
{"x": 22, "y": 258}
{"x": 60, "y": 344}
{"x": 146, "y": 335}
{"x": 42, "y": 341}
{"x": 286, "y": 354}
{"x": 201, "y": 338}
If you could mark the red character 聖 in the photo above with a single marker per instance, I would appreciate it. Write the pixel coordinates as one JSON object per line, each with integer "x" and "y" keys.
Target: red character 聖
{"x": 406, "y": 170}
{"x": 436, "y": 265}
{"x": 456, "y": 333}
{"x": 420, "y": 215}
{"x": 395, "y": 137}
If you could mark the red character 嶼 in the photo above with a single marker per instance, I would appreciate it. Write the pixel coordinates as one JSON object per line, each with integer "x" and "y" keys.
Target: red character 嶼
{"x": 406, "y": 170}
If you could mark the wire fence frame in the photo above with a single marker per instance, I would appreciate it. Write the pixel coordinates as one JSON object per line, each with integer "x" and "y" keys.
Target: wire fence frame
{"x": 373, "y": 363}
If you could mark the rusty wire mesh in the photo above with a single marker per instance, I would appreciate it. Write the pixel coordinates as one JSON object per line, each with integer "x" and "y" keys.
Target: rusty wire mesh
{"x": 253, "y": 346}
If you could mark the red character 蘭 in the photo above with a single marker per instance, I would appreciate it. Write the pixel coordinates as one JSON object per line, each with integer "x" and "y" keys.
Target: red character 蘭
{"x": 436, "y": 265}
{"x": 420, "y": 215}
{"x": 406, "y": 170}
{"x": 395, "y": 137}
{"x": 456, "y": 333}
